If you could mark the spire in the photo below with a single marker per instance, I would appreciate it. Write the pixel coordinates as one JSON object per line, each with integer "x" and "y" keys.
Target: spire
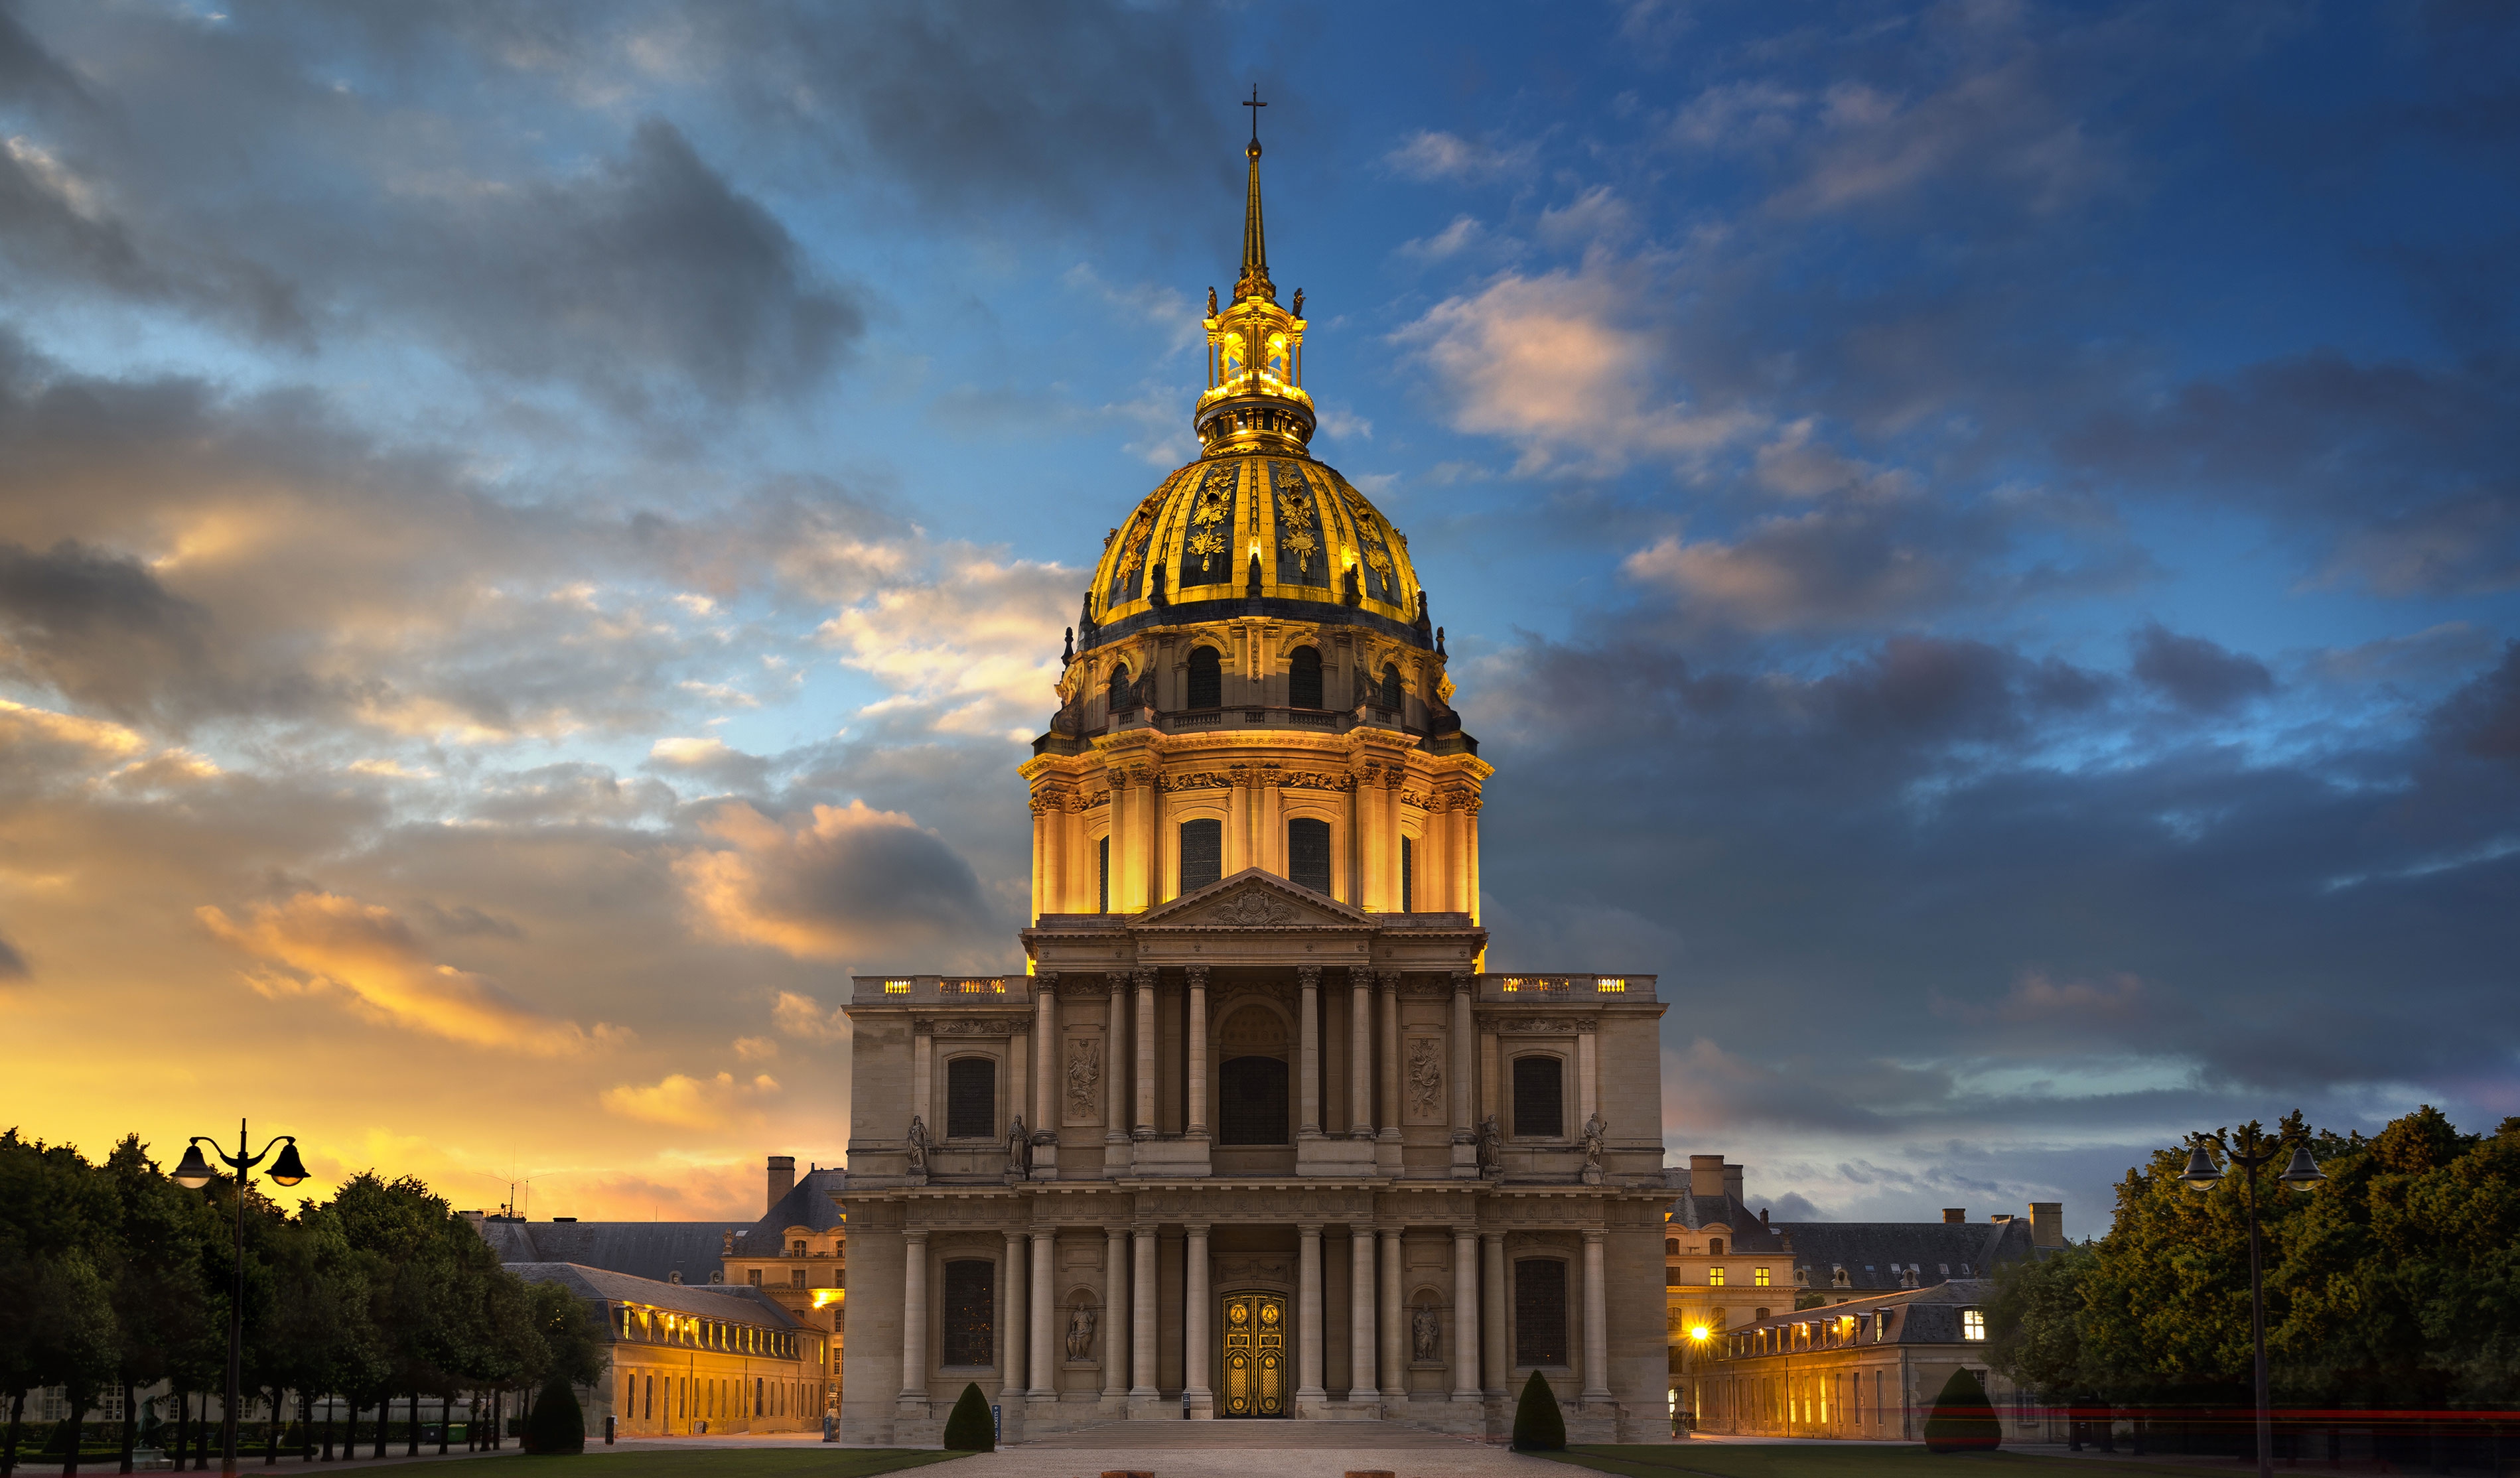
{"x": 1254, "y": 281}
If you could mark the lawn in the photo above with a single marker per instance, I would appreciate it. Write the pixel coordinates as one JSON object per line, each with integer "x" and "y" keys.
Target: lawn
{"x": 1854, "y": 1461}
{"x": 733, "y": 1462}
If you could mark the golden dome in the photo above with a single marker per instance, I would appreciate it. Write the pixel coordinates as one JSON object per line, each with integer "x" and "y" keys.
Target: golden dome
{"x": 1189, "y": 552}
{"x": 1255, "y": 526}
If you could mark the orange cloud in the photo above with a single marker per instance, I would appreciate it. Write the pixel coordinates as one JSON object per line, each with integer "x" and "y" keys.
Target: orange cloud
{"x": 684, "y": 1102}
{"x": 842, "y": 881}
{"x": 368, "y": 956}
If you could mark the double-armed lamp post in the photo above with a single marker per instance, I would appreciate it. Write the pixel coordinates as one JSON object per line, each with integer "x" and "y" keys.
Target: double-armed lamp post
{"x": 194, "y": 1174}
{"x": 2255, "y": 1148}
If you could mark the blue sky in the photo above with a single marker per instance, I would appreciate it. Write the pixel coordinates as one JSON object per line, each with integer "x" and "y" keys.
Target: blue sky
{"x": 1981, "y": 539}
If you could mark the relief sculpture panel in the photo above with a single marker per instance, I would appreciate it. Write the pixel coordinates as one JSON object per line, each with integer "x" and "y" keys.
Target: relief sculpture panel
{"x": 1084, "y": 1080}
{"x": 1425, "y": 1080}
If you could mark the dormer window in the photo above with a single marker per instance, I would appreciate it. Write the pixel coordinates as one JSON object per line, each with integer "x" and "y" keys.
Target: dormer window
{"x": 1715, "y": 1246}
{"x": 1972, "y": 1323}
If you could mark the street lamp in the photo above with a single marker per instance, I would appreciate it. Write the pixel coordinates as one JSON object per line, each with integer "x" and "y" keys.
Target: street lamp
{"x": 2256, "y": 1148}
{"x": 194, "y": 1174}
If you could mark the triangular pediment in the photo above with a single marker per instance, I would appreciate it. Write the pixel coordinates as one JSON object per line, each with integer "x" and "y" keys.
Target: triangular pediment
{"x": 1254, "y": 899}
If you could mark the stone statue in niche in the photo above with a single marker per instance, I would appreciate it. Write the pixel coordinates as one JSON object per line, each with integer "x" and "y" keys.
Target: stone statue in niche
{"x": 917, "y": 1146}
{"x": 1425, "y": 1334}
{"x": 1491, "y": 1146}
{"x": 1018, "y": 1150}
{"x": 1597, "y": 1136}
{"x": 1425, "y": 1075}
{"x": 1084, "y": 1075}
{"x": 1080, "y": 1331}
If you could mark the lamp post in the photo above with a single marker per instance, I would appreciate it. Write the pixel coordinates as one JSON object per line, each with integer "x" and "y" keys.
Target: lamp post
{"x": 1693, "y": 1358}
{"x": 194, "y": 1174}
{"x": 2256, "y": 1148}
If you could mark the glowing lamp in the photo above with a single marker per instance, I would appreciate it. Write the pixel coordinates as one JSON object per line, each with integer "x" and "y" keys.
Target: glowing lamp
{"x": 2304, "y": 1172}
{"x": 2200, "y": 1172}
{"x": 287, "y": 1170}
{"x": 196, "y": 1171}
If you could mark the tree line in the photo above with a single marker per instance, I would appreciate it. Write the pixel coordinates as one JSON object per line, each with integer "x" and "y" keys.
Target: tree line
{"x": 2391, "y": 1299}
{"x": 113, "y": 1277}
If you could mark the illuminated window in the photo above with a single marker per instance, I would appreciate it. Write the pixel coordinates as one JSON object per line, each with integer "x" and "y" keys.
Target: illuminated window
{"x": 1206, "y": 680}
{"x": 1610, "y": 987}
{"x": 1972, "y": 1323}
{"x": 1759, "y": 1277}
{"x": 896, "y": 987}
{"x": 1715, "y": 1278}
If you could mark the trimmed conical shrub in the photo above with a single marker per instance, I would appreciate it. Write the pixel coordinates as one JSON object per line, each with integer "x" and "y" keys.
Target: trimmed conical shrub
{"x": 968, "y": 1429}
{"x": 558, "y": 1423}
{"x": 1962, "y": 1419}
{"x": 1538, "y": 1425}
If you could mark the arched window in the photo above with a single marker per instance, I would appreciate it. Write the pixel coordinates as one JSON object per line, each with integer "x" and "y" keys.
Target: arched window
{"x": 1308, "y": 854}
{"x": 1304, "y": 678}
{"x": 1539, "y": 1097}
{"x": 1103, "y": 875}
{"x": 1206, "y": 680}
{"x": 1540, "y": 1312}
{"x": 1120, "y": 692}
{"x": 1203, "y": 853}
{"x": 1671, "y": 1246}
{"x": 1715, "y": 1246}
{"x": 971, "y": 1309}
{"x": 1390, "y": 698}
{"x": 971, "y": 1098}
{"x": 1251, "y": 1102}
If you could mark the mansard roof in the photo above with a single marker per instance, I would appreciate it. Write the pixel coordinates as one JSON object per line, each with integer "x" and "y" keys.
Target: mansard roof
{"x": 735, "y": 1305}
{"x": 1749, "y": 1234}
{"x": 652, "y": 1250}
{"x": 1873, "y": 1253}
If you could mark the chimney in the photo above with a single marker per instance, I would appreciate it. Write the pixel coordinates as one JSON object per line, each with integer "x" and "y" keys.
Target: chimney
{"x": 2047, "y": 1224}
{"x": 1953, "y": 1214}
{"x": 1706, "y": 1175}
{"x": 1732, "y": 1181}
{"x": 783, "y": 1178}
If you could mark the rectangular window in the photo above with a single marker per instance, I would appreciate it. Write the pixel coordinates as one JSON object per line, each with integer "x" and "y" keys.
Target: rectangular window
{"x": 1759, "y": 1277}
{"x": 1715, "y": 1278}
{"x": 1102, "y": 875}
{"x": 1540, "y": 1312}
{"x": 970, "y": 1311}
{"x": 795, "y": 1277}
{"x": 1203, "y": 853}
{"x": 1539, "y": 1097}
{"x": 1308, "y": 854}
{"x": 752, "y": 1275}
{"x": 1972, "y": 1323}
{"x": 1407, "y": 876}
{"x": 971, "y": 1098}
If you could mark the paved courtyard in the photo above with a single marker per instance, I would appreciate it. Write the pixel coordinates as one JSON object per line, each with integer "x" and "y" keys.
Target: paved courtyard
{"x": 1239, "y": 1448}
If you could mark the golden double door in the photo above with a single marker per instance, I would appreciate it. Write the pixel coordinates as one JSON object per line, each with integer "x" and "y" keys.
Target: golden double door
{"x": 1255, "y": 1356}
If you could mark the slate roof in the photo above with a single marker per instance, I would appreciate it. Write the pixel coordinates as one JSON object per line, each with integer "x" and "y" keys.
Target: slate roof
{"x": 812, "y": 1204}
{"x": 1749, "y": 1235}
{"x": 654, "y": 1250}
{"x": 734, "y": 1304}
{"x": 1924, "y": 1317}
{"x": 1874, "y": 1253}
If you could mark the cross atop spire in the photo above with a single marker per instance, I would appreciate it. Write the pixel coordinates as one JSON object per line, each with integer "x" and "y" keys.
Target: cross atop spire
{"x": 1254, "y": 281}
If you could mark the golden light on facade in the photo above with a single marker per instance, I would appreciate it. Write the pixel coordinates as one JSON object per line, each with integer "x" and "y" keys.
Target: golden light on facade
{"x": 824, "y": 1298}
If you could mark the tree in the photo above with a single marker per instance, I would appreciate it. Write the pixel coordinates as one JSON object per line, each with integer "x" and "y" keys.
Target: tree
{"x": 1962, "y": 1419}
{"x": 558, "y": 1424}
{"x": 2034, "y": 1328}
{"x": 968, "y": 1429}
{"x": 161, "y": 1303}
{"x": 1538, "y": 1425}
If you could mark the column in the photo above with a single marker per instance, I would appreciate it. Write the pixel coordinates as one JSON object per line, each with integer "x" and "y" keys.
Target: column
{"x": 1018, "y": 1083}
{"x": 1395, "y": 1333}
{"x": 1360, "y": 1054}
{"x": 1308, "y": 1314}
{"x": 1116, "y": 1072}
{"x": 1465, "y": 1314}
{"x": 1462, "y": 1122}
{"x": 913, "y": 1317}
{"x": 1391, "y": 1054}
{"x": 1587, "y": 1099}
{"x": 1196, "y": 1118}
{"x": 1045, "y": 1055}
{"x": 1011, "y": 1366}
{"x": 1145, "y": 1119}
{"x": 1596, "y": 1322}
{"x": 1115, "y": 1304}
{"x": 1194, "y": 1336}
{"x": 1308, "y": 1114}
{"x": 1142, "y": 1308}
{"x": 1361, "y": 1384}
{"x": 1492, "y": 1370}
{"x": 1045, "y": 1332}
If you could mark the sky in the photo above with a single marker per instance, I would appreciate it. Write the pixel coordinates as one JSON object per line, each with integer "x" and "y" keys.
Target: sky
{"x": 1982, "y": 540}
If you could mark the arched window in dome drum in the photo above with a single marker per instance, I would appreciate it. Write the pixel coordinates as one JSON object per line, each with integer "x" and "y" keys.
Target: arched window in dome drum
{"x": 1303, "y": 556}
{"x": 1390, "y": 694}
{"x": 1206, "y": 680}
{"x": 1207, "y": 536}
{"x": 1121, "y": 689}
{"x": 1308, "y": 854}
{"x": 1304, "y": 678}
{"x": 1203, "y": 852}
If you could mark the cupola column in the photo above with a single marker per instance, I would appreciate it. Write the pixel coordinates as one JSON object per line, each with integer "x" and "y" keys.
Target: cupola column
{"x": 1360, "y": 1053}
{"x": 1308, "y": 1121}
{"x": 1146, "y": 1054}
{"x": 1195, "y": 1114}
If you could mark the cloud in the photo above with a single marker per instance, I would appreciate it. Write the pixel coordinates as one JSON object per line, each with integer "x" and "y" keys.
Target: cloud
{"x": 1433, "y": 154}
{"x": 95, "y": 627}
{"x": 2196, "y": 674}
{"x": 13, "y": 962}
{"x": 2036, "y": 997}
{"x": 682, "y": 1102}
{"x": 1557, "y": 365}
{"x": 977, "y": 646}
{"x": 710, "y": 760}
{"x": 803, "y": 1018}
{"x": 838, "y": 882}
{"x": 321, "y": 944}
